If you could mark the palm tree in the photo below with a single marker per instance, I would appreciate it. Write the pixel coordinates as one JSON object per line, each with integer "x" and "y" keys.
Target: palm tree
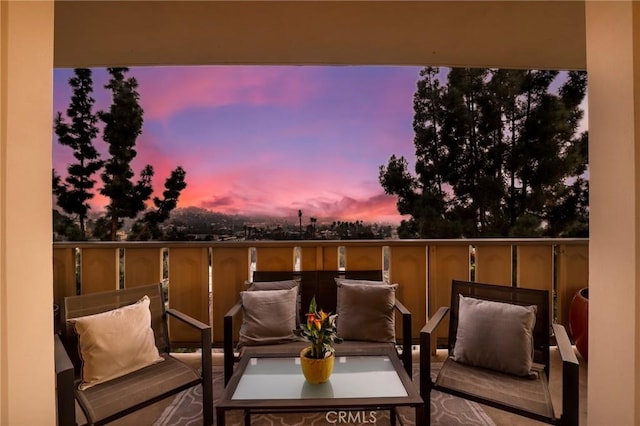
{"x": 313, "y": 221}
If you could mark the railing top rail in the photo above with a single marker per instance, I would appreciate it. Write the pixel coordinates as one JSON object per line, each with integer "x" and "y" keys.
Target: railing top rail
{"x": 316, "y": 243}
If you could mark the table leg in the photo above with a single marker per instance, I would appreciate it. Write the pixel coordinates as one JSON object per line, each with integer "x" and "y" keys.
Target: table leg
{"x": 247, "y": 418}
{"x": 420, "y": 415}
{"x": 392, "y": 417}
{"x": 220, "y": 416}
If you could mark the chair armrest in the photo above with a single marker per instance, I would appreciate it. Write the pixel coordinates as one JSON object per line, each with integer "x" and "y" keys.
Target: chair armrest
{"x": 187, "y": 319}
{"x": 65, "y": 392}
{"x": 229, "y": 357}
{"x": 205, "y": 336}
{"x": 435, "y": 321}
{"x": 406, "y": 337}
{"x": 205, "y": 343}
{"x": 401, "y": 308}
{"x": 425, "y": 351}
{"x": 570, "y": 377}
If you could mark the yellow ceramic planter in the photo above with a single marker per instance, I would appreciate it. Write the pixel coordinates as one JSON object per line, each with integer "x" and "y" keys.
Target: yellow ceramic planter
{"x": 316, "y": 371}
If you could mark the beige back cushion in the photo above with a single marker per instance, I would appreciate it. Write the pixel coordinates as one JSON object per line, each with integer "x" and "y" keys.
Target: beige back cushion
{"x": 115, "y": 343}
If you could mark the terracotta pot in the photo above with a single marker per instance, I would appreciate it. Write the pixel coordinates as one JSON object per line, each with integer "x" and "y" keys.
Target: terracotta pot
{"x": 579, "y": 321}
{"x": 316, "y": 371}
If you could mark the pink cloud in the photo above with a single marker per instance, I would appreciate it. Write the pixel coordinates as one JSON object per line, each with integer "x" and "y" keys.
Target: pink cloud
{"x": 322, "y": 158}
{"x": 165, "y": 93}
{"x": 217, "y": 203}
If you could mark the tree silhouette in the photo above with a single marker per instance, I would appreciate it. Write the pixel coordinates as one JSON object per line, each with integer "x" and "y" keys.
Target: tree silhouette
{"x": 497, "y": 154}
{"x": 123, "y": 124}
{"x": 313, "y": 221}
{"x": 147, "y": 228}
{"x": 74, "y": 193}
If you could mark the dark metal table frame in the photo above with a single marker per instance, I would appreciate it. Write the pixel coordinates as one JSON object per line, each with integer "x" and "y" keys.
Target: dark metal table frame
{"x": 412, "y": 399}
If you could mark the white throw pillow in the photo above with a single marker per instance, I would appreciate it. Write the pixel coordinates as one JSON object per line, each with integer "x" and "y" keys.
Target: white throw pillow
{"x": 495, "y": 335}
{"x": 115, "y": 343}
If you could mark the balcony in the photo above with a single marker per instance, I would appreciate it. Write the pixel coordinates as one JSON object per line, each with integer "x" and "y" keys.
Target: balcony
{"x": 204, "y": 278}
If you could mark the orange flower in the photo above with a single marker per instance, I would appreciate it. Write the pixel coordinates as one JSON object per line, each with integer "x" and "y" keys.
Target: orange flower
{"x": 311, "y": 317}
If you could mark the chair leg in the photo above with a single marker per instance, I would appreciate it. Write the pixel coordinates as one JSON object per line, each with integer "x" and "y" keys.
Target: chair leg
{"x": 207, "y": 379}
{"x": 570, "y": 395}
{"x": 228, "y": 349}
{"x": 65, "y": 394}
{"x": 421, "y": 414}
{"x": 425, "y": 375}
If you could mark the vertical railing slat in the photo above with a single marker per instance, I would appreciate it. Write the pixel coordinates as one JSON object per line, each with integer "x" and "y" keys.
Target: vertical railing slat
{"x": 100, "y": 269}
{"x": 494, "y": 264}
{"x": 274, "y": 258}
{"x": 573, "y": 274}
{"x": 408, "y": 268}
{"x": 363, "y": 258}
{"x": 64, "y": 275}
{"x": 143, "y": 266}
{"x": 329, "y": 258}
{"x": 535, "y": 270}
{"x": 188, "y": 290}
{"x": 446, "y": 263}
{"x": 309, "y": 258}
{"x": 230, "y": 271}
{"x": 535, "y": 266}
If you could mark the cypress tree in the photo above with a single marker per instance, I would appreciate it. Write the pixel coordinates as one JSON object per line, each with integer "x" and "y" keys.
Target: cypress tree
{"x": 123, "y": 124}
{"x": 74, "y": 193}
{"x": 147, "y": 228}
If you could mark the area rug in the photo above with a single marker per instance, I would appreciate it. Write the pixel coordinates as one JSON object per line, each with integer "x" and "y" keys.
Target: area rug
{"x": 446, "y": 410}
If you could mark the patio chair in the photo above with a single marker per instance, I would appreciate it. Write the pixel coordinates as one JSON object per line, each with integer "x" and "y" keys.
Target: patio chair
{"x": 323, "y": 286}
{"x": 498, "y": 349}
{"x": 119, "y": 378}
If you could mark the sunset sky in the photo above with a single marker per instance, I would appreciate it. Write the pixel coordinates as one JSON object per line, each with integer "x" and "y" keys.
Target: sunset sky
{"x": 268, "y": 140}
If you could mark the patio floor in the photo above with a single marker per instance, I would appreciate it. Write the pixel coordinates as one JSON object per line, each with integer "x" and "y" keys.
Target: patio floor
{"x": 150, "y": 414}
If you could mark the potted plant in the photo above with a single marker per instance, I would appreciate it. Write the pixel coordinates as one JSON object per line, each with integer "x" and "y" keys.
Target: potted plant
{"x": 320, "y": 330}
{"x": 579, "y": 321}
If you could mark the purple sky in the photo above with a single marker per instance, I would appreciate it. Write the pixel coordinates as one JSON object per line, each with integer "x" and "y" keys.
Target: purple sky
{"x": 268, "y": 139}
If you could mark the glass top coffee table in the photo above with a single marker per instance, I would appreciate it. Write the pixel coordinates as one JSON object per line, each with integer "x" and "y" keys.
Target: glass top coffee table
{"x": 371, "y": 380}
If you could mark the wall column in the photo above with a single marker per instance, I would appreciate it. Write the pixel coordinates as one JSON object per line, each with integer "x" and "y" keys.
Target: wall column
{"x": 27, "y": 378}
{"x": 613, "y": 66}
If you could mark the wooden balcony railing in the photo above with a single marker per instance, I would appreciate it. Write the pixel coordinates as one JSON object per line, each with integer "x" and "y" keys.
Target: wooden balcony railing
{"x": 204, "y": 278}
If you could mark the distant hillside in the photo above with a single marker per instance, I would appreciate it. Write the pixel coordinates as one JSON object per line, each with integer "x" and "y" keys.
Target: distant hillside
{"x": 202, "y": 223}
{"x": 195, "y": 223}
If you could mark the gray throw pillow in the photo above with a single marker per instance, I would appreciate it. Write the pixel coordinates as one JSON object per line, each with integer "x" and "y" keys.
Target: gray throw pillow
{"x": 269, "y": 316}
{"x": 279, "y": 285}
{"x": 365, "y": 312}
{"x": 355, "y": 281}
{"x": 271, "y": 285}
{"x": 495, "y": 335}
